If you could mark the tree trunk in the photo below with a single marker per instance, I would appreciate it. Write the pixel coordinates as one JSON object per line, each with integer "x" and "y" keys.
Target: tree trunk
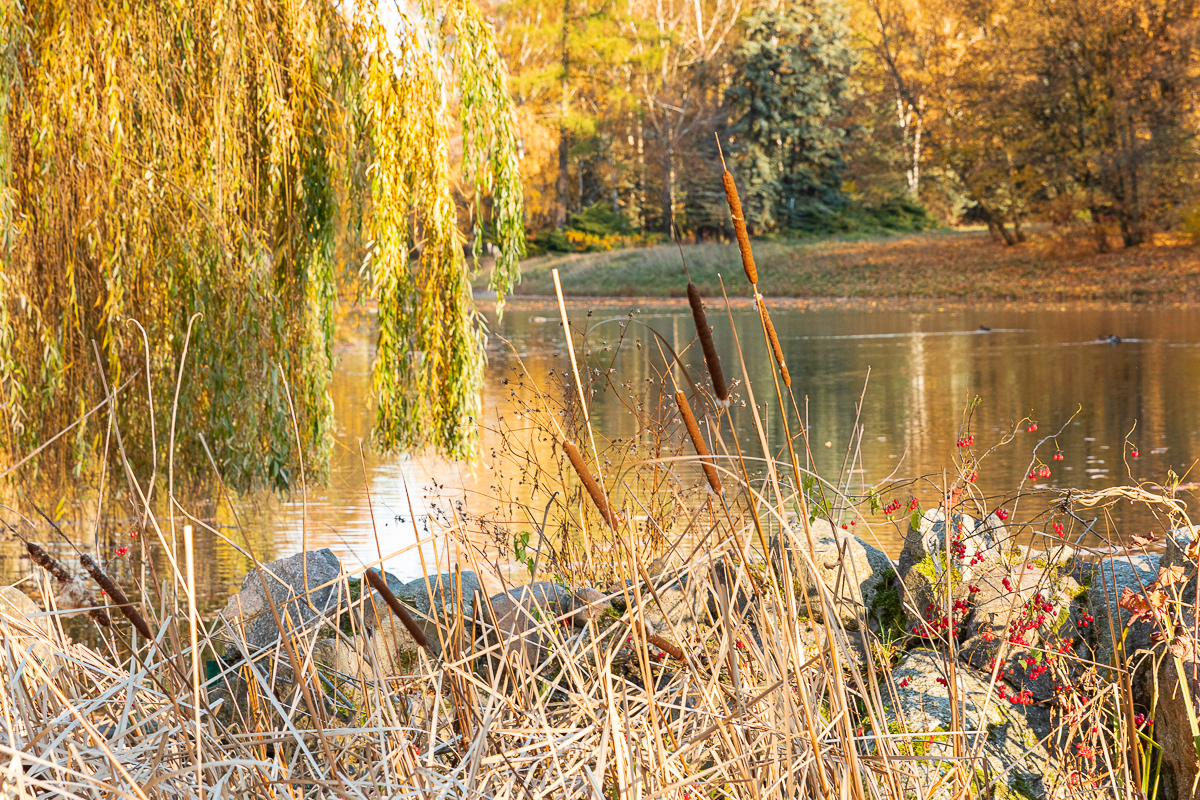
{"x": 669, "y": 192}
{"x": 564, "y": 137}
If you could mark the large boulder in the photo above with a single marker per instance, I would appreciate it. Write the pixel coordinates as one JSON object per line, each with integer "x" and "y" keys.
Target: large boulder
{"x": 438, "y": 605}
{"x": 973, "y": 542}
{"x": 1108, "y": 580}
{"x": 1033, "y": 611}
{"x": 520, "y": 620}
{"x": 1007, "y": 737}
{"x": 850, "y": 568}
{"x": 1172, "y": 728}
{"x": 249, "y": 613}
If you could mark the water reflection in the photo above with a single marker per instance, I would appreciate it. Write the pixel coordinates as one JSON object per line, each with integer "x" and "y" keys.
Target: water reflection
{"x": 925, "y": 361}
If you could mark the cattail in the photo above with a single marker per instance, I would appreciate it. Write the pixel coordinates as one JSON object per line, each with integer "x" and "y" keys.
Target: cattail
{"x": 775, "y": 348}
{"x": 118, "y": 595}
{"x": 689, "y": 421}
{"x": 662, "y": 644}
{"x": 71, "y": 592}
{"x": 379, "y": 584}
{"x": 739, "y": 227}
{"x": 704, "y": 331}
{"x": 593, "y": 488}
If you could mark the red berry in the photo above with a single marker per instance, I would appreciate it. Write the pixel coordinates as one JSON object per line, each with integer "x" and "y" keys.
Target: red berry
{"x": 1134, "y": 454}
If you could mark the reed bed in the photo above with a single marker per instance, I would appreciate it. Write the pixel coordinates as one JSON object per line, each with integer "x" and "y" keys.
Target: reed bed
{"x": 763, "y": 687}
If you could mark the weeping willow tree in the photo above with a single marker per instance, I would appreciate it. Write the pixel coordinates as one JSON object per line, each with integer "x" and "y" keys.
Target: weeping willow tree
{"x": 231, "y": 163}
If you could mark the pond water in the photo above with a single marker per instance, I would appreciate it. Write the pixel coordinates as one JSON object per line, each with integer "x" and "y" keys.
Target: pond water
{"x": 916, "y": 365}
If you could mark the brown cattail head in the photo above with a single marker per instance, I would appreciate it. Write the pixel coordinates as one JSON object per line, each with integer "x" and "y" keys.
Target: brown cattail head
{"x": 689, "y": 421}
{"x": 775, "y": 348}
{"x": 72, "y": 593}
{"x": 704, "y": 331}
{"x": 594, "y": 489}
{"x": 739, "y": 227}
{"x": 113, "y": 589}
{"x": 379, "y": 584}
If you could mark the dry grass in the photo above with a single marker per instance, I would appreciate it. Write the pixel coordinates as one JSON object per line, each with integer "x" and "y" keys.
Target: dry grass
{"x": 944, "y": 264}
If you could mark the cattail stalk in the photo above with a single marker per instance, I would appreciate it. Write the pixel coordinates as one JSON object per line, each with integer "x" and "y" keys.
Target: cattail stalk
{"x": 113, "y": 589}
{"x": 739, "y": 227}
{"x": 704, "y": 331}
{"x": 70, "y": 587}
{"x": 689, "y": 421}
{"x": 379, "y": 584}
{"x": 775, "y": 348}
{"x": 599, "y": 497}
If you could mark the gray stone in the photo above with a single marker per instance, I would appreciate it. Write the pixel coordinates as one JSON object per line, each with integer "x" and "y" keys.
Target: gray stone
{"x": 17, "y": 606}
{"x": 1180, "y": 766}
{"x": 849, "y": 567}
{"x": 519, "y": 619}
{"x": 1109, "y": 579}
{"x": 437, "y": 605}
{"x": 680, "y": 614}
{"x": 249, "y": 613}
{"x": 999, "y": 615}
{"x": 1002, "y": 734}
{"x": 980, "y": 541}
{"x": 1178, "y": 542}
{"x": 923, "y": 592}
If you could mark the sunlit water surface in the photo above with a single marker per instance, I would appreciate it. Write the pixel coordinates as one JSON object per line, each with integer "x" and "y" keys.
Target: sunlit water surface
{"x": 925, "y": 362}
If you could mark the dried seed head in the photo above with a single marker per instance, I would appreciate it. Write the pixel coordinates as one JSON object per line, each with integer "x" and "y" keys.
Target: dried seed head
{"x": 775, "y": 348}
{"x": 739, "y": 227}
{"x": 71, "y": 592}
{"x": 689, "y": 421}
{"x": 594, "y": 489}
{"x": 118, "y": 596}
{"x": 379, "y": 584}
{"x": 704, "y": 331}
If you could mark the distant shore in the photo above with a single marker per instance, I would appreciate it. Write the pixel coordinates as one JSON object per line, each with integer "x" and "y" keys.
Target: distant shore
{"x": 949, "y": 265}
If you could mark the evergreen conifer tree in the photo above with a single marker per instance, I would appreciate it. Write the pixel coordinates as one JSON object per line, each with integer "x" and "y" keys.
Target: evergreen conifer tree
{"x": 795, "y": 67}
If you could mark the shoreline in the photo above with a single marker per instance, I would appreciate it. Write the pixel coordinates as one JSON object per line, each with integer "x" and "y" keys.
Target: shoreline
{"x": 946, "y": 267}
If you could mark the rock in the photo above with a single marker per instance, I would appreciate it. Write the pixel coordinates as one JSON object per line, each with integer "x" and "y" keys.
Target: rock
{"x": 924, "y": 704}
{"x": 519, "y": 618}
{"x": 680, "y": 614}
{"x": 1001, "y": 614}
{"x": 1109, "y": 578}
{"x": 923, "y": 594}
{"x": 387, "y": 646}
{"x": 18, "y": 607}
{"x": 1178, "y": 542}
{"x": 852, "y": 569}
{"x": 249, "y": 613}
{"x": 1180, "y": 766}
{"x": 438, "y": 603}
{"x": 975, "y": 542}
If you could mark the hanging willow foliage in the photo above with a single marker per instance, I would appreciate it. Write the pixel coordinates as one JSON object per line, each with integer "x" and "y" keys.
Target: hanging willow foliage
{"x": 161, "y": 159}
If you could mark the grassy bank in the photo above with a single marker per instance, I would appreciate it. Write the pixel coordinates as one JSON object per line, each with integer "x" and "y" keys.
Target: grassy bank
{"x": 944, "y": 264}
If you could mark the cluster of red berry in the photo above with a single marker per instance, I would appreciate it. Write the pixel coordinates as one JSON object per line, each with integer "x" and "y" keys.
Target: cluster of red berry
{"x": 1085, "y": 620}
{"x": 122, "y": 550}
{"x": 1021, "y": 698}
{"x": 974, "y": 476}
{"x": 1058, "y": 529}
{"x": 1058, "y": 456}
{"x": 1001, "y": 514}
{"x": 1031, "y": 428}
{"x": 1041, "y": 472}
{"x": 1138, "y": 719}
{"x": 967, "y": 442}
{"x": 1085, "y": 751}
